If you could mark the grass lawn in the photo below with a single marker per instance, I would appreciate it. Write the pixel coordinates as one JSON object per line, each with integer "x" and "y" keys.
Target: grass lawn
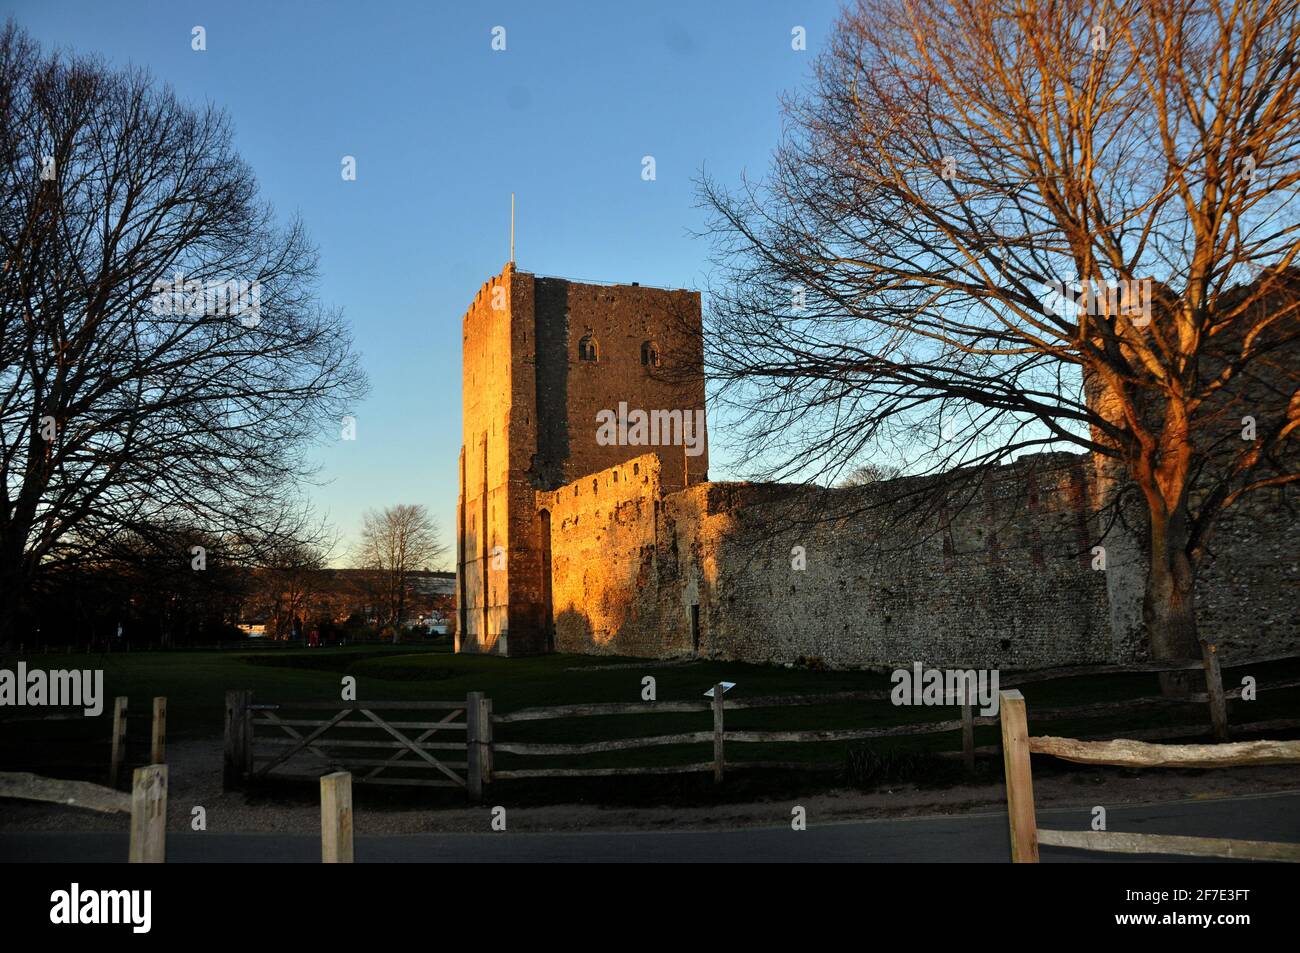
{"x": 195, "y": 684}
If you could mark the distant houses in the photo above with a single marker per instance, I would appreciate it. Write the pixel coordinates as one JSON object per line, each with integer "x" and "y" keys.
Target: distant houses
{"x": 288, "y": 606}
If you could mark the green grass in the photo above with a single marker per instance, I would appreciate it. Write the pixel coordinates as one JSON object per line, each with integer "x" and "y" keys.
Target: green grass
{"x": 195, "y": 684}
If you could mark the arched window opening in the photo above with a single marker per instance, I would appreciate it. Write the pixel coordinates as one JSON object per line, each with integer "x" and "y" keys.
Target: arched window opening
{"x": 650, "y": 354}
{"x": 588, "y": 350}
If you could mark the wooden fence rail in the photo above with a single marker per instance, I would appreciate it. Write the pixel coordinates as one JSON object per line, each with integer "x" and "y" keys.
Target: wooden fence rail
{"x": 1018, "y": 745}
{"x": 92, "y": 797}
{"x": 721, "y": 737}
{"x": 1140, "y": 754}
{"x": 1117, "y": 842}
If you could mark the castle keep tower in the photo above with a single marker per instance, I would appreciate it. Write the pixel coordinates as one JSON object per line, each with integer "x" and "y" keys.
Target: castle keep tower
{"x": 546, "y": 362}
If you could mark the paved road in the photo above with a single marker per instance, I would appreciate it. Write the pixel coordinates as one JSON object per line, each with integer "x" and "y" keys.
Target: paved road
{"x": 965, "y": 838}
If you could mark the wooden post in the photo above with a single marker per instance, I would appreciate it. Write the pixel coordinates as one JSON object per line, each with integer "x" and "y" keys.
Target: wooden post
{"x": 1020, "y": 778}
{"x": 158, "y": 747}
{"x": 968, "y": 730}
{"x": 719, "y": 759}
{"x": 249, "y": 729}
{"x": 238, "y": 749}
{"x": 119, "y": 740}
{"x": 149, "y": 815}
{"x": 485, "y": 738}
{"x": 474, "y": 747}
{"x": 336, "y": 818}
{"x": 1214, "y": 690}
{"x": 230, "y": 742}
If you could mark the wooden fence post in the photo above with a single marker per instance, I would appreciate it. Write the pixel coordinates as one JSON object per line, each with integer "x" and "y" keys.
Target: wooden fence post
{"x": 336, "y": 818}
{"x": 968, "y": 729}
{"x": 719, "y": 759}
{"x": 158, "y": 747}
{"x": 238, "y": 738}
{"x": 119, "y": 740}
{"x": 1020, "y": 778}
{"x": 149, "y": 815}
{"x": 474, "y": 746}
{"x": 485, "y": 739}
{"x": 249, "y": 731}
{"x": 1214, "y": 690}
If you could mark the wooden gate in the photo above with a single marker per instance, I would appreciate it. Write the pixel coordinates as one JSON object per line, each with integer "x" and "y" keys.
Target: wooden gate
{"x": 420, "y": 743}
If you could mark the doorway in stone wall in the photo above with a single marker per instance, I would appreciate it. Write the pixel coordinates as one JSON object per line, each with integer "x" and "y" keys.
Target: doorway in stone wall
{"x": 695, "y": 629}
{"x": 548, "y": 615}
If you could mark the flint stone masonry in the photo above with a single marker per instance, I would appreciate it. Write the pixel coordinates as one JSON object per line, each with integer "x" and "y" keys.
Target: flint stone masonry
{"x": 1004, "y": 581}
{"x": 615, "y": 550}
{"x": 1248, "y": 589}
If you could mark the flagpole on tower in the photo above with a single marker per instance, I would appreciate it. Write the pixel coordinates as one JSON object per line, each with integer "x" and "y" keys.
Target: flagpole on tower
{"x": 512, "y": 228}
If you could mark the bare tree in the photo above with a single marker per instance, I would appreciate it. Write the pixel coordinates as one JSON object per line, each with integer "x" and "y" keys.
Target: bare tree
{"x": 290, "y": 585}
{"x": 396, "y": 542}
{"x": 162, "y": 355}
{"x": 995, "y": 227}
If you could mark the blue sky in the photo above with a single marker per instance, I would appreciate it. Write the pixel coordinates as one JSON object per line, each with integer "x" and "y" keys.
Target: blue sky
{"x": 443, "y": 128}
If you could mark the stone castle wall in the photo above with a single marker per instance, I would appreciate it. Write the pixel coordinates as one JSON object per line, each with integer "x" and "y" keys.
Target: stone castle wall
{"x": 1006, "y": 579}
{"x": 1248, "y": 593}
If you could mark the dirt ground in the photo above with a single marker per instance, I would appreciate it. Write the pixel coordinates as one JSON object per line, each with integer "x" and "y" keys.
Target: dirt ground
{"x": 195, "y": 780}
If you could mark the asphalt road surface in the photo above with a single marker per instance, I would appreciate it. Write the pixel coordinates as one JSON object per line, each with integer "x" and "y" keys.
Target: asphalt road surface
{"x": 963, "y": 838}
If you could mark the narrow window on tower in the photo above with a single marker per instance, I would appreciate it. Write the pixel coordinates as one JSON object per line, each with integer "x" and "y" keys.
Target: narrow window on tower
{"x": 650, "y": 354}
{"x": 587, "y": 349}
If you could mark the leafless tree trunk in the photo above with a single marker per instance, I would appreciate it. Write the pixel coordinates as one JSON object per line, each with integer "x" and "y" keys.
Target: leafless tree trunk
{"x": 997, "y": 227}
